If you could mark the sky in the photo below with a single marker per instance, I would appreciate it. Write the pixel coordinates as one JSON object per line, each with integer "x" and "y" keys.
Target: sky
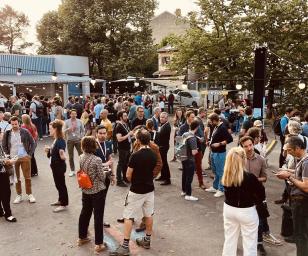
{"x": 35, "y": 9}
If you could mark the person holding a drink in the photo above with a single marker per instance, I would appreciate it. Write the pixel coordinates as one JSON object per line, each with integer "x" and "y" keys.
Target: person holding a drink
{"x": 56, "y": 154}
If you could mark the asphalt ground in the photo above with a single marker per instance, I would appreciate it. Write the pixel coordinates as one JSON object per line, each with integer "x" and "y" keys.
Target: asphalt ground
{"x": 181, "y": 228}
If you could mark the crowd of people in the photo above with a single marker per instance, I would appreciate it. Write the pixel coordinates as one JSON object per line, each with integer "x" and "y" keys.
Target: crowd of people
{"x": 139, "y": 130}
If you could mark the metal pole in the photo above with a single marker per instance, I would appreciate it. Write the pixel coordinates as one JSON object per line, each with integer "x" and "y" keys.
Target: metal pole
{"x": 14, "y": 90}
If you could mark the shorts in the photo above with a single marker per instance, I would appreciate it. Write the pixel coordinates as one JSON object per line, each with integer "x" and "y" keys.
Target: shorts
{"x": 134, "y": 202}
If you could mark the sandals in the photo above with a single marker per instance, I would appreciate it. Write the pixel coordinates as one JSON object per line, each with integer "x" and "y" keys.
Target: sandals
{"x": 11, "y": 219}
{"x": 82, "y": 241}
{"x": 99, "y": 248}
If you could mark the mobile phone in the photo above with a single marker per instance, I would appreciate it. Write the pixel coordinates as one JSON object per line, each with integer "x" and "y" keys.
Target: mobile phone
{"x": 275, "y": 172}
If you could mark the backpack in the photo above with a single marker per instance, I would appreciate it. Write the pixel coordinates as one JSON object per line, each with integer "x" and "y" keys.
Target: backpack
{"x": 277, "y": 127}
{"x": 181, "y": 146}
{"x": 39, "y": 109}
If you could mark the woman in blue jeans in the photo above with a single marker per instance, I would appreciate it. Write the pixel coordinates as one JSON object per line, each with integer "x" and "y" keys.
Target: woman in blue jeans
{"x": 189, "y": 163}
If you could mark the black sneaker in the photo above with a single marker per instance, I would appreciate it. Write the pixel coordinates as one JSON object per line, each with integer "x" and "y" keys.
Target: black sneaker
{"x": 261, "y": 250}
{"x": 143, "y": 243}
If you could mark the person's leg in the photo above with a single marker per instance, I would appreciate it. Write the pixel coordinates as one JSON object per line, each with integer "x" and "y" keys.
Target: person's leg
{"x": 26, "y": 170}
{"x": 165, "y": 172}
{"x": 184, "y": 166}
{"x": 232, "y": 231}
{"x": 40, "y": 129}
{"x": 198, "y": 162}
{"x": 219, "y": 167}
{"x": 5, "y": 195}
{"x": 18, "y": 183}
{"x": 59, "y": 177}
{"x": 282, "y": 159}
{"x": 249, "y": 229}
{"x": 300, "y": 226}
{"x": 34, "y": 170}
{"x": 126, "y": 159}
{"x": 70, "y": 150}
{"x": 213, "y": 165}
{"x": 77, "y": 145}
{"x": 99, "y": 206}
{"x": 190, "y": 176}
{"x": 120, "y": 165}
{"x": 85, "y": 215}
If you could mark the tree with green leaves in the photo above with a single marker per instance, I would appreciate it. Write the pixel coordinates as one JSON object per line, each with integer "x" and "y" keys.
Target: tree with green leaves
{"x": 220, "y": 43}
{"x": 115, "y": 35}
{"x": 13, "y": 27}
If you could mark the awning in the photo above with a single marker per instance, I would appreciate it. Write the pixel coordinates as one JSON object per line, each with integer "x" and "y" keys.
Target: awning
{"x": 42, "y": 79}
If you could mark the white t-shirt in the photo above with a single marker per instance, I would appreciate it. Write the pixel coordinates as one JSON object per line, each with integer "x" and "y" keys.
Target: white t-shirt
{"x": 2, "y": 102}
{"x": 161, "y": 104}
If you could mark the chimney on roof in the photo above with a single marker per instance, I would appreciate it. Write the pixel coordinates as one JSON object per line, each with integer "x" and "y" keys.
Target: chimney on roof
{"x": 178, "y": 12}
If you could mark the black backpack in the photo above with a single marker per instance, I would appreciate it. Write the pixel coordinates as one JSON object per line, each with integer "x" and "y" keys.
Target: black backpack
{"x": 277, "y": 127}
{"x": 39, "y": 109}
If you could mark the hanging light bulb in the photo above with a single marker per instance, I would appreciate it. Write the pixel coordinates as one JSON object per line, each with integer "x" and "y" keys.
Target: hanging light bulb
{"x": 93, "y": 81}
{"x": 54, "y": 76}
{"x": 301, "y": 85}
{"x": 238, "y": 86}
{"x": 19, "y": 72}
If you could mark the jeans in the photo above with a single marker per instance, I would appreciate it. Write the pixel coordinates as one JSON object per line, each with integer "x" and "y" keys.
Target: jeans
{"x": 187, "y": 175}
{"x": 92, "y": 203}
{"x": 263, "y": 228}
{"x": 70, "y": 148}
{"x": 236, "y": 221}
{"x": 300, "y": 225}
{"x": 122, "y": 164}
{"x": 198, "y": 161}
{"x": 218, "y": 164}
{"x": 5, "y": 195}
{"x": 38, "y": 122}
{"x": 165, "y": 172}
{"x": 25, "y": 164}
{"x": 58, "y": 171}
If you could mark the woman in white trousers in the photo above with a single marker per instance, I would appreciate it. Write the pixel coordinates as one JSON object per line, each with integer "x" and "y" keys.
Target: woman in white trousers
{"x": 242, "y": 192}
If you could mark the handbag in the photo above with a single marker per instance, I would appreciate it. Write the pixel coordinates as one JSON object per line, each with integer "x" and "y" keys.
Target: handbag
{"x": 83, "y": 179}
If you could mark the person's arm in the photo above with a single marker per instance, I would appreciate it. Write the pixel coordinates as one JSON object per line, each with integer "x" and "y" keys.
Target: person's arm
{"x": 302, "y": 185}
{"x": 129, "y": 174}
{"x": 263, "y": 174}
{"x": 121, "y": 138}
{"x": 62, "y": 154}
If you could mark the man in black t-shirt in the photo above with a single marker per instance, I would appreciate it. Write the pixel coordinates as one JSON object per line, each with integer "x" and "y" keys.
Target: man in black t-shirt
{"x": 123, "y": 135}
{"x": 141, "y": 194}
{"x": 139, "y": 120}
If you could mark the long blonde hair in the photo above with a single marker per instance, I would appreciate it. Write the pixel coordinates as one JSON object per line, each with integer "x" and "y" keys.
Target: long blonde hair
{"x": 234, "y": 167}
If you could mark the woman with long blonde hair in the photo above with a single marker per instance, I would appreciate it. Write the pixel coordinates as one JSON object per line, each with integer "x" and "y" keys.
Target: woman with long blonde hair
{"x": 243, "y": 192}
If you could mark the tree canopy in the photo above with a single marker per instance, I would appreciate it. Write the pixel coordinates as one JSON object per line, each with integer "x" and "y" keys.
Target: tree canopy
{"x": 222, "y": 37}
{"x": 114, "y": 34}
{"x": 13, "y": 27}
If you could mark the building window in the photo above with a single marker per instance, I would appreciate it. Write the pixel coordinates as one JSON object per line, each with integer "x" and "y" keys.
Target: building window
{"x": 165, "y": 60}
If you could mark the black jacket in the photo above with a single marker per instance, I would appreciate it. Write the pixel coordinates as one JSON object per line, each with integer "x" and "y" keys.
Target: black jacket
{"x": 164, "y": 136}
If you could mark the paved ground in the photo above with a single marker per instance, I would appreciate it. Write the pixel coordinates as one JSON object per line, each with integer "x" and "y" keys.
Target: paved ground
{"x": 180, "y": 227}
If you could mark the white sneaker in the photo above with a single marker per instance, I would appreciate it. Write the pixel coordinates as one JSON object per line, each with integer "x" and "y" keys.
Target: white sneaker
{"x": 211, "y": 190}
{"x": 31, "y": 199}
{"x": 71, "y": 174}
{"x": 18, "y": 199}
{"x": 191, "y": 198}
{"x": 60, "y": 209}
{"x": 219, "y": 193}
{"x": 183, "y": 193}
